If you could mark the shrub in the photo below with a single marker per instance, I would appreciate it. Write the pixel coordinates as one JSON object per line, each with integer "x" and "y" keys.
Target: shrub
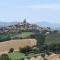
{"x": 35, "y": 51}
{"x": 43, "y": 55}
{"x": 28, "y": 57}
{"x": 48, "y": 53}
{"x": 4, "y": 57}
{"x": 35, "y": 56}
{"x": 11, "y": 50}
{"x": 25, "y": 49}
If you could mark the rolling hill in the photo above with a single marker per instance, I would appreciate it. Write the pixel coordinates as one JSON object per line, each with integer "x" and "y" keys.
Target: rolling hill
{"x": 52, "y": 38}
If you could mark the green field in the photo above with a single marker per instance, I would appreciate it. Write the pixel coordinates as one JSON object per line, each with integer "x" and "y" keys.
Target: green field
{"x": 23, "y": 35}
{"x": 16, "y": 35}
{"x": 52, "y": 38}
{"x": 16, "y": 55}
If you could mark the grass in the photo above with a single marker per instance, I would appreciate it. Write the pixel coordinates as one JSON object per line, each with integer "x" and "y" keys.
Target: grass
{"x": 15, "y": 35}
{"x": 26, "y": 34}
{"x": 16, "y": 55}
{"x": 23, "y": 35}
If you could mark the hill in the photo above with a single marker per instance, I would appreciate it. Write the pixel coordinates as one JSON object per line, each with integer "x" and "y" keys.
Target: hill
{"x": 53, "y": 38}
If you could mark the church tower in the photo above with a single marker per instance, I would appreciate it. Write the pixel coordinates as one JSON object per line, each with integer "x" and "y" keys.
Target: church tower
{"x": 24, "y": 21}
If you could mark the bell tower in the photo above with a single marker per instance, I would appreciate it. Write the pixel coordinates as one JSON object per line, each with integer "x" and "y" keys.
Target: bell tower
{"x": 24, "y": 20}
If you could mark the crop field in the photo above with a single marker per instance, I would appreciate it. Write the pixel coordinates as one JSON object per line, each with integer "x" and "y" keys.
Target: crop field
{"x": 16, "y": 44}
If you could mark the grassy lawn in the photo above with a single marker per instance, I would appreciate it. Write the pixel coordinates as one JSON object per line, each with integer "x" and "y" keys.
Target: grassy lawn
{"x": 16, "y": 55}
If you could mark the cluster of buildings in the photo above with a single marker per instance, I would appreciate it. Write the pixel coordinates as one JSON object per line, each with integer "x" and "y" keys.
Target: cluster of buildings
{"x": 22, "y": 26}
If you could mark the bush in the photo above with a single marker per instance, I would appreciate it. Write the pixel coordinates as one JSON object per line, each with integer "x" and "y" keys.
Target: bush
{"x": 48, "y": 53}
{"x": 11, "y": 50}
{"x": 43, "y": 55}
{"x": 35, "y": 51}
{"x": 35, "y": 56}
{"x": 28, "y": 57}
{"x": 4, "y": 57}
{"x": 25, "y": 49}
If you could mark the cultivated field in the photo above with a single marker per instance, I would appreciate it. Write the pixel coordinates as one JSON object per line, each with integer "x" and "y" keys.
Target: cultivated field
{"x": 16, "y": 44}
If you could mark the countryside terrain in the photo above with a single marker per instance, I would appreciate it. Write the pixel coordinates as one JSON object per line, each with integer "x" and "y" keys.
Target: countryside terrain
{"x": 28, "y": 38}
{"x": 29, "y": 43}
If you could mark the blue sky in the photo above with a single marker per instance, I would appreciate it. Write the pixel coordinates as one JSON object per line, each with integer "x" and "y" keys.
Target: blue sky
{"x": 32, "y": 10}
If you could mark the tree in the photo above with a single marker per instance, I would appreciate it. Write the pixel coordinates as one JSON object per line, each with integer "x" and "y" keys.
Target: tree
{"x": 11, "y": 50}
{"x": 40, "y": 39}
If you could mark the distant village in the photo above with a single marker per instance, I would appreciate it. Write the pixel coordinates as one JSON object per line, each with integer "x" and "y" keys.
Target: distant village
{"x": 22, "y": 26}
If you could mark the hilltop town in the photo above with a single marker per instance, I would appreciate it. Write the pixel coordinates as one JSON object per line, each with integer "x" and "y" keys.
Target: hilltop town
{"x": 22, "y": 26}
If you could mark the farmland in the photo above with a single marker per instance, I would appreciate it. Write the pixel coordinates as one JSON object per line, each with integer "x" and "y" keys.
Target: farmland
{"x": 23, "y": 38}
{"x": 16, "y": 44}
{"x": 16, "y": 35}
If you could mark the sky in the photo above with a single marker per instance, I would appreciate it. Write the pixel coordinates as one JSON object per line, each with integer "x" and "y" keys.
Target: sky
{"x": 32, "y": 10}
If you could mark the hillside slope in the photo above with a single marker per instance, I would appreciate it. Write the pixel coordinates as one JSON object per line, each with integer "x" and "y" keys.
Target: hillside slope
{"x": 53, "y": 38}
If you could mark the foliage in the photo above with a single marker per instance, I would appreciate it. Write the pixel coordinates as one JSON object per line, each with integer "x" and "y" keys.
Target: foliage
{"x": 52, "y": 38}
{"x": 43, "y": 55}
{"x": 4, "y": 57}
{"x": 16, "y": 55}
{"x": 11, "y": 50}
{"x": 25, "y": 49}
